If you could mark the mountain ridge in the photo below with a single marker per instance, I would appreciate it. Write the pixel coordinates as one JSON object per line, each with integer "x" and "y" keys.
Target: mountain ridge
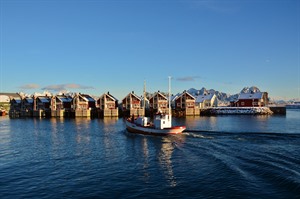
{"x": 225, "y": 98}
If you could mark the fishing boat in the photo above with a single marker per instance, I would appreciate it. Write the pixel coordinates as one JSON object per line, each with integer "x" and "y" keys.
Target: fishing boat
{"x": 161, "y": 124}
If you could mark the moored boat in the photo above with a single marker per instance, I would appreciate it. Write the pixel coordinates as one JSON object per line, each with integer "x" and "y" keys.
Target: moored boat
{"x": 2, "y": 112}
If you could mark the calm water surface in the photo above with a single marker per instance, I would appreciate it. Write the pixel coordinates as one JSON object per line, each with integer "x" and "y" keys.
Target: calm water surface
{"x": 219, "y": 157}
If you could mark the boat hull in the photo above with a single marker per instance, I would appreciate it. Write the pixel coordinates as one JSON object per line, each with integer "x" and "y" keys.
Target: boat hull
{"x": 133, "y": 128}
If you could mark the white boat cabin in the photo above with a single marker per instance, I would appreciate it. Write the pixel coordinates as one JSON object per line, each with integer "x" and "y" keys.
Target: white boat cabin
{"x": 160, "y": 121}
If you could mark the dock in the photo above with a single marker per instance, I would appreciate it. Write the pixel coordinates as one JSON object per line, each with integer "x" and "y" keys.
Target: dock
{"x": 278, "y": 110}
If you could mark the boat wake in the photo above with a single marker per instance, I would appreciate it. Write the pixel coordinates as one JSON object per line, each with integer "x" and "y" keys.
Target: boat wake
{"x": 196, "y": 135}
{"x": 205, "y": 133}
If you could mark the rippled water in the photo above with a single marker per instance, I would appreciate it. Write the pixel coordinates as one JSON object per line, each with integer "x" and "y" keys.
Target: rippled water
{"x": 219, "y": 157}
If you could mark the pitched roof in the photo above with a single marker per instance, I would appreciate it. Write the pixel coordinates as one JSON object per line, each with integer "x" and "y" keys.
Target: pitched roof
{"x": 64, "y": 98}
{"x": 136, "y": 96}
{"x": 258, "y": 95}
{"x": 29, "y": 100}
{"x": 44, "y": 99}
{"x": 174, "y": 97}
{"x": 206, "y": 97}
{"x": 17, "y": 100}
{"x": 108, "y": 95}
{"x": 133, "y": 95}
{"x": 159, "y": 93}
{"x": 112, "y": 97}
{"x": 185, "y": 92}
{"x": 87, "y": 98}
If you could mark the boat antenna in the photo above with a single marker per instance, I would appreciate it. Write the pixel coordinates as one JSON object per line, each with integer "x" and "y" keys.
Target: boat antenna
{"x": 169, "y": 96}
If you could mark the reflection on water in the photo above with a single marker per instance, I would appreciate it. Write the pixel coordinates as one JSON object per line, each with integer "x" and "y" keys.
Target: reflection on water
{"x": 146, "y": 159}
{"x": 165, "y": 160}
{"x": 82, "y": 135}
{"x": 4, "y": 125}
{"x": 5, "y": 137}
{"x": 56, "y": 124}
{"x": 157, "y": 151}
{"x": 110, "y": 120}
{"x": 108, "y": 124}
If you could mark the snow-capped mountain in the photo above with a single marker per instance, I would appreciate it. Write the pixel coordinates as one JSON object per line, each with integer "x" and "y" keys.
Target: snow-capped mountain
{"x": 223, "y": 98}
{"x": 252, "y": 89}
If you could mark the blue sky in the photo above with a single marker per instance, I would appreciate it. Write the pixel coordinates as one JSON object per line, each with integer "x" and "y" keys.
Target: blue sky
{"x": 95, "y": 46}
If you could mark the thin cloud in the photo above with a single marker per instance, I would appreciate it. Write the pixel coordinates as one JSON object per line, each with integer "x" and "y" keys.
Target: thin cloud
{"x": 29, "y": 86}
{"x": 77, "y": 86}
{"x": 228, "y": 83}
{"x": 61, "y": 87}
{"x": 267, "y": 60}
{"x": 188, "y": 78}
{"x": 217, "y": 5}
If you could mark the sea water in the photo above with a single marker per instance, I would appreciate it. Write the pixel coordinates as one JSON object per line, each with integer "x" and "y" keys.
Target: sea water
{"x": 217, "y": 157}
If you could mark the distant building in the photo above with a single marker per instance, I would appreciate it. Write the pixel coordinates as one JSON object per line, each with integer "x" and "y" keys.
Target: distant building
{"x": 27, "y": 104}
{"x": 61, "y": 102}
{"x": 131, "y": 105}
{"x": 5, "y": 99}
{"x": 206, "y": 100}
{"x": 258, "y": 99}
{"x": 83, "y": 102}
{"x": 108, "y": 105}
{"x": 41, "y": 103}
{"x": 23, "y": 106}
{"x": 91, "y": 101}
{"x": 131, "y": 101}
{"x": 15, "y": 106}
{"x": 61, "y": 105}
{"x": 185, "y": 102}
{"x": 41, "y": 106}
{"x": 158, "y": 102}
{"x": 83, "y": 105}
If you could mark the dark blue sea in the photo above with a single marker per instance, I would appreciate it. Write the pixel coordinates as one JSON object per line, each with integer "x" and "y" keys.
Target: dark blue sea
{"x": 219, "y": 157}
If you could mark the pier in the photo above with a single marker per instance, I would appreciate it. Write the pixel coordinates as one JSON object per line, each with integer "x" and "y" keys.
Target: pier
{"x": 278, "y": 110}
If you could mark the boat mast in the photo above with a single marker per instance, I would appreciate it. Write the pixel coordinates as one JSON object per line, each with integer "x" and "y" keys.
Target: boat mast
{"x": 144, "y": 104}
{"x": 169, "y": 96}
